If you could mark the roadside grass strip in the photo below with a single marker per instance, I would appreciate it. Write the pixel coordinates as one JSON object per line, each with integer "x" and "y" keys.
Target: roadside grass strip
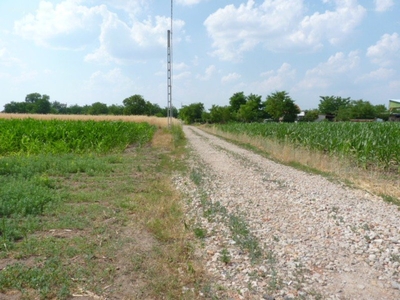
{"x": 370, "y": 145}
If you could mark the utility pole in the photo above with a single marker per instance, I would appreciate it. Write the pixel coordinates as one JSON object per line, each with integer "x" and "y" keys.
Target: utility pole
{"x": 169, "y": 70}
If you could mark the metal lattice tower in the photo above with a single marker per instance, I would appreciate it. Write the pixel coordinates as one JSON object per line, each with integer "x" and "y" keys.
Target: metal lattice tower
{"x": 169, "y": 70}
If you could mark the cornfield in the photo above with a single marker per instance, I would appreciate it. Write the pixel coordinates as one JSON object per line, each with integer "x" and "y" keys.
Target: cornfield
{"x": 368, "y": 144}
{"x": 32, "y": 136}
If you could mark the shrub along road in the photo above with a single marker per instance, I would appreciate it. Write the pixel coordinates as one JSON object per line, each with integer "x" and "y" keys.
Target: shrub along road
{"x": 270, "y": 231}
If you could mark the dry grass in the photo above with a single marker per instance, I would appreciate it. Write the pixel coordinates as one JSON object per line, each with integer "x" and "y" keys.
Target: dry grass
{"x": 160, "y": 122}
{"x": 373, "y": 181}
{"x": 162, "y": 139}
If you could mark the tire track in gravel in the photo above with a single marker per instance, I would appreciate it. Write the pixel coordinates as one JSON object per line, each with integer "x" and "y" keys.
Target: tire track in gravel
{"x": 319, "y": 240}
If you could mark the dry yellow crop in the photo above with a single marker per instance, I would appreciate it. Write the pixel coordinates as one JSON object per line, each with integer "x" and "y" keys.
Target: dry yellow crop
{"x": 157, "y": 121}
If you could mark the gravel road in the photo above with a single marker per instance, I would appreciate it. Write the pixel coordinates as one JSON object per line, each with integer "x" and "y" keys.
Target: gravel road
{"x": 269, "y": 231}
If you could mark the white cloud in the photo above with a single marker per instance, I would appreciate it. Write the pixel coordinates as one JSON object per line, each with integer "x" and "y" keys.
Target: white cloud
{"x": 208, "y": 73}
{"x": 377, "y": 75}
{"x": 100, "y": 55}
{"x": 386, "y": 51}
{"x": 383, "y": 5}
{"x": 71, "y": 25}
{"x": 336, "y": 64}
{"x": 177, "y": 67}
{"x": 182, "y": 75}
{"x": 108, "y": 87}
{"x": 26, "y": 76}
{"x": 275, "y": 79}
{"x": 112, "y": 85}
{"x": 236, "y": 30}
{"x": 113, "y": 77}
{"x": 195, "y": 61}
{"x": 65, "y": 25}
{"x": 6, "y": 58}
{"x": 328, "y": 73}
{"x": 279, "y": 25}
{"x": 132, "y": 7}
{"x": 180, "y": 66}
{"x": 395, "y": 85}
{"x": 230, "y": 77}
{"x": 333, "y": 26}
{"x": 120, "y": 42}
{"x": 188, "y": 2}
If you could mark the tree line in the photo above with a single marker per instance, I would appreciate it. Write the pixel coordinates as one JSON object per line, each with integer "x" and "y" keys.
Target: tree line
{"x": 279, "y": 106}
{"x": 36, "y": 103}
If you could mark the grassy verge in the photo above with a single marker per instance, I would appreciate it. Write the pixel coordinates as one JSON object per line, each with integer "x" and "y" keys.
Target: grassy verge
{"x": 102, "y": 225}
{"x": 333, "y": 168}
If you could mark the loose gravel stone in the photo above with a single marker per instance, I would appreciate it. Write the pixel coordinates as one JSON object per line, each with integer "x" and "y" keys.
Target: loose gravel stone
{"x": 274, "y": 232}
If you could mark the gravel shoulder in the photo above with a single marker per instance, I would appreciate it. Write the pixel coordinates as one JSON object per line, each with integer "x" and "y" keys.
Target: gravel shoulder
{"x": 274, "y": 232}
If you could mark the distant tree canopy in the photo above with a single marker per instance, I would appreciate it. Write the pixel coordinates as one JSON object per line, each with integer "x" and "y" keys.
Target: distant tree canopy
{"x": 242, "y": 108}
{"x": 36, "y": 103}
{"x": 192, "y": 113}
{"x": 278, "y": 106}
{"x": 237, "y": 100}
{"x": 137, "y": 105}
{"x": 281, "y": 106}
{"x": 253, "y": 110}
{"x": 98, "y": 108}
{"x": 220, "y": 114}
{"x": 360, "y": 109}
{"x": 332, "y": 104}
{"x": 346, "y": 109}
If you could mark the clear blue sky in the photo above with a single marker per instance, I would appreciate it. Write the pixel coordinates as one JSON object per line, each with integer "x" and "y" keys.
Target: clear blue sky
{"x": 86, "y": 51}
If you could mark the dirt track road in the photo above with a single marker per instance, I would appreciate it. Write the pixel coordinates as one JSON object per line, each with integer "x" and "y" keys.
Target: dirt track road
{"x": 274, "y": 232}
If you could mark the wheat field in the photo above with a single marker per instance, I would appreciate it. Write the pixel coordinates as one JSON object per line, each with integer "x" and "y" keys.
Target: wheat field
{"x": 157, "y": 121}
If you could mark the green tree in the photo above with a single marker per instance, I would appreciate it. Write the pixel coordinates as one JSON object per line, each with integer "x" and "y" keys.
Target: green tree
{"x": 135, "y": 105}
{"x": 43, "y": 105}
{"x": 152, "y": 109}
{"x": 381, "y": 109}
{"x": 75, "y": 110}
{"x": 58, "y": 108}
{"x": 252, "y": 110}
{"x": 236, "y": 101}
{"x": 362, "y": 110}
{"x": 332, "y": 104}
{"x": 16, "y": 107}
{"x": 205, "y": 117}
{"x": 98, "y": 108}
{"x": 344, "y": 113}
{"x": 116, "y": 110}
{"x": 35, "y": 103}
{"x": 280, "y": 105}
{"x": 33, "y": 97}
{"x": 220, "y": 114}
{"x": 311, "y": 115}
{"x": 164, "y": 112}
{"x": 191, "y": 113}
{"x": 382, "y": 112}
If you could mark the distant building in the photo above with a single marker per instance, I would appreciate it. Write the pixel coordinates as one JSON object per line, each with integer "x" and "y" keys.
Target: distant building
{"x": 301, "y": 115}
{"x": 394, "y": 110}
